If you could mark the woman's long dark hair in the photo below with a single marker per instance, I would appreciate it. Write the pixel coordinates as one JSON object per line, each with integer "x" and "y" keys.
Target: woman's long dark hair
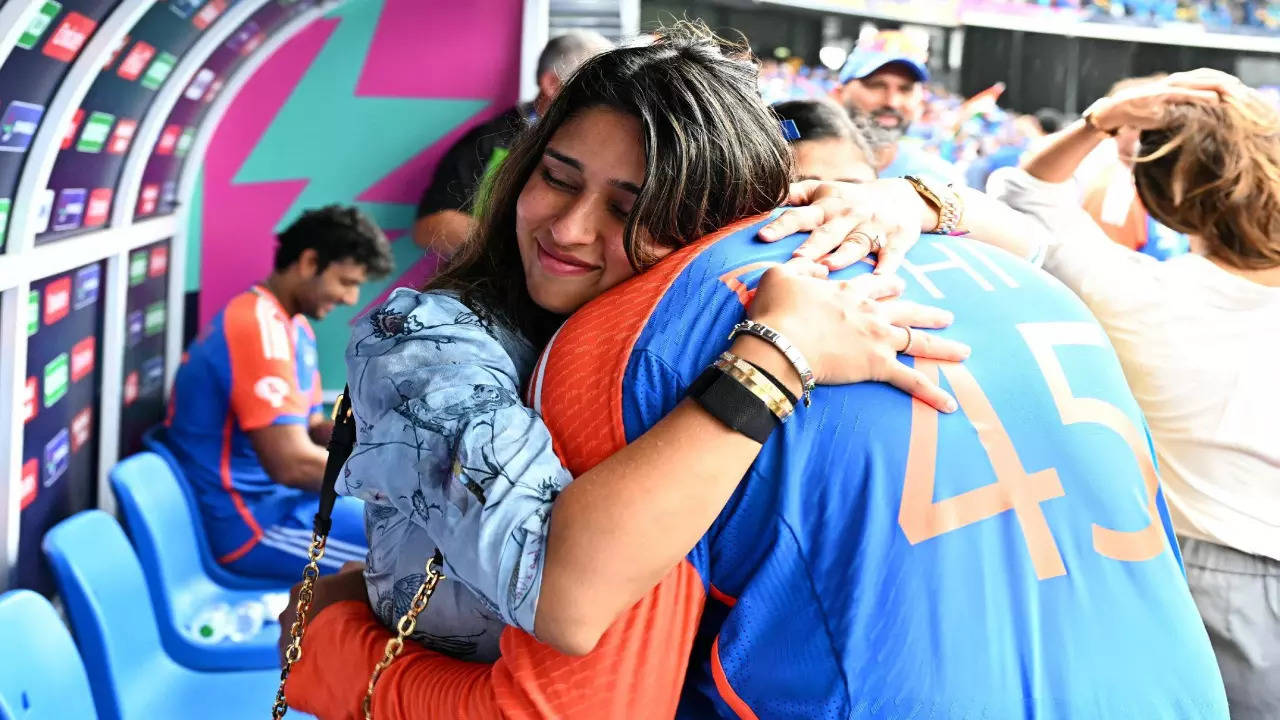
{"x": 714, "y": 154}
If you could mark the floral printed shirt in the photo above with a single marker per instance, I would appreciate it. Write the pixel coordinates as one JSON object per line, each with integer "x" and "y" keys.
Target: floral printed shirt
{"x": 447, "y": 456}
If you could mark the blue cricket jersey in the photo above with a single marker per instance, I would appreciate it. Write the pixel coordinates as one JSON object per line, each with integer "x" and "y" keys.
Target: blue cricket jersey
{"x": 1014, "y": 559}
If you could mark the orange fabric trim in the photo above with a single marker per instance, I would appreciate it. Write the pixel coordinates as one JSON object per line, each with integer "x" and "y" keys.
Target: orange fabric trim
{"x": 740, "y": 288}
{"x": 716, "y": 593}
{"x": 224, "y": 466}
{"x": 731, "y": 698}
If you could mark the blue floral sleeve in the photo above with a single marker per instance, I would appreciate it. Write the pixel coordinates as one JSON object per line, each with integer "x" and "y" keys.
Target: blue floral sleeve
{"x": 444, "y": 440}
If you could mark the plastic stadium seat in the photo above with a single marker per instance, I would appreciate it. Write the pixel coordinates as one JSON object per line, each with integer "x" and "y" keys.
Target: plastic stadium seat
{"x": 153, "y": 440}
{"x": 41, "y": 674}
{"x": 114, "y": 621}
{"x": 156, "y": 512}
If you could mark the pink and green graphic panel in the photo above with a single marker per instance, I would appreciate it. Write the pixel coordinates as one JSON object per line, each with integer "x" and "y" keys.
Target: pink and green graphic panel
{"x": 357, "y": 108}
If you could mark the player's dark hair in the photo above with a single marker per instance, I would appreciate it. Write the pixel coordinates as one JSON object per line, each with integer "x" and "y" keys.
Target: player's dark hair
{"x": 336, "y": 233}
{"x": 714, "y": 154}
{"x": 822, "y": 120}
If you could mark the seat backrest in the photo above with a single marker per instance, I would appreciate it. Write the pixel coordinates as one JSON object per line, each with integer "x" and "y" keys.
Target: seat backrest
{"x": 41, "y": 674}
{"x": 106, "y": 596}
{"x": 154, "y": 441}
{"x": 156, "y": 511}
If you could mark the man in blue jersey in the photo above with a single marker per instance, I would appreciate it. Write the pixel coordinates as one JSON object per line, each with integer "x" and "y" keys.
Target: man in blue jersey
{"x": 884, "y": 81}
{"x": 1013, "y": 559}
{"x": 245, "y": 420}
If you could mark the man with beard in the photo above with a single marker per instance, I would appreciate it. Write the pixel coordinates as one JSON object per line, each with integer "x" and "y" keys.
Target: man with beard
{"x": 886, "y": 84}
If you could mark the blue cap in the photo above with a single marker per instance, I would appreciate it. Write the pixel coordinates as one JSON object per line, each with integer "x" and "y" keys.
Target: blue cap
{"x": 862, "y": 63}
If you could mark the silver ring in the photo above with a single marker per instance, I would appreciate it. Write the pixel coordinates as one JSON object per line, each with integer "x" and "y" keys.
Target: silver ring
{"x": 906, "y": 349}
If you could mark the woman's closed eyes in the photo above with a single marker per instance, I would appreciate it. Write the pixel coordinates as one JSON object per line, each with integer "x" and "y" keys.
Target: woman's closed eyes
{"x": 564, "y": 185}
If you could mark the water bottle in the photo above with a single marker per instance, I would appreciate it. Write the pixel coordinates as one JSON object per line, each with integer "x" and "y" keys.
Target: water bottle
{"x": 275, "y": 603}
{"x": 245, "y": 621}
{"x": 210, "y": 626}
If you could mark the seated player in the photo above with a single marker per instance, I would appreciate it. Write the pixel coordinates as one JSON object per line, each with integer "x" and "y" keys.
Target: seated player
{"x": 879, "y": 559}
{"x": 245, "y": 418}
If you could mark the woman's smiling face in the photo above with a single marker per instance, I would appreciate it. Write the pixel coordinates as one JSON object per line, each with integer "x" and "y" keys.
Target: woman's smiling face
{"x": 571, "y": 214}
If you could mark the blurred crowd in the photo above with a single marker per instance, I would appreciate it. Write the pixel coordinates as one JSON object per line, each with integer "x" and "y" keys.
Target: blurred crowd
{"x": 1215, "y": 15}
{"x": 1238, "y": 16}
{"x": 974, "y": 134}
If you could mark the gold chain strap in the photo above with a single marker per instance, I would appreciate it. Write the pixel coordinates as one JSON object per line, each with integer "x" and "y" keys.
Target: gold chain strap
{"x": 306, "y": 594}
{"x": 404, "y": 628}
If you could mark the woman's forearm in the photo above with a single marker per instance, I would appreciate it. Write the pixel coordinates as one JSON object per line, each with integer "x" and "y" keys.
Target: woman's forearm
{"x": 619, "y": 528}
{"x": 1056, "y": 161}
{"x": 993, "y": 222}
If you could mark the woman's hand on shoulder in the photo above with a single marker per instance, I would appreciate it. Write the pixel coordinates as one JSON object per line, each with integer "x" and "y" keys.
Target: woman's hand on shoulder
{"x": 853, "y": 330}
{"x": 849, "y": 221}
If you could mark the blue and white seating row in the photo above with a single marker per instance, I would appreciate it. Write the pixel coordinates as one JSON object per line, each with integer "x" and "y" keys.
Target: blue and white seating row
{"x": 162, "y": 522}
{"x": 41, "y": 674}
{"x": 114, "y": 619}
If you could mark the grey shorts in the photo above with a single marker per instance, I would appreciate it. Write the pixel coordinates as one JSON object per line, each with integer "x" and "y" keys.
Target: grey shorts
{"x": 1238, "y": 595}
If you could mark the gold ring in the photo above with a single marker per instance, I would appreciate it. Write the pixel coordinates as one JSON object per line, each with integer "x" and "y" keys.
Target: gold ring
{"x": 906, "y": 349}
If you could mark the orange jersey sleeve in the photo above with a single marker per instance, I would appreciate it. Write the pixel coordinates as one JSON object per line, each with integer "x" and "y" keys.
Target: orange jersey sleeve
{"x": 264, "y": 376}
{"x": 636, "y": 671}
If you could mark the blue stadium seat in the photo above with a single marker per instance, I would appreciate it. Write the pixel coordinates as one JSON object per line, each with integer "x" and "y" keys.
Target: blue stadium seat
{"x": 41, "y": 674}
{"x": 156, "y": 513}
{"x": 114, "y": 620}
{"x": 153, "y": 440}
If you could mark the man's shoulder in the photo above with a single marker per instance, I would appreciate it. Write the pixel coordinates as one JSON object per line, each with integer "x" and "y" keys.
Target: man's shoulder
{"x": 256, "y": 307}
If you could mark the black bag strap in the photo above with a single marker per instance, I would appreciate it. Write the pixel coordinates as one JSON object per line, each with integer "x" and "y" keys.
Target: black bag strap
{"x": 341, "y": 443}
